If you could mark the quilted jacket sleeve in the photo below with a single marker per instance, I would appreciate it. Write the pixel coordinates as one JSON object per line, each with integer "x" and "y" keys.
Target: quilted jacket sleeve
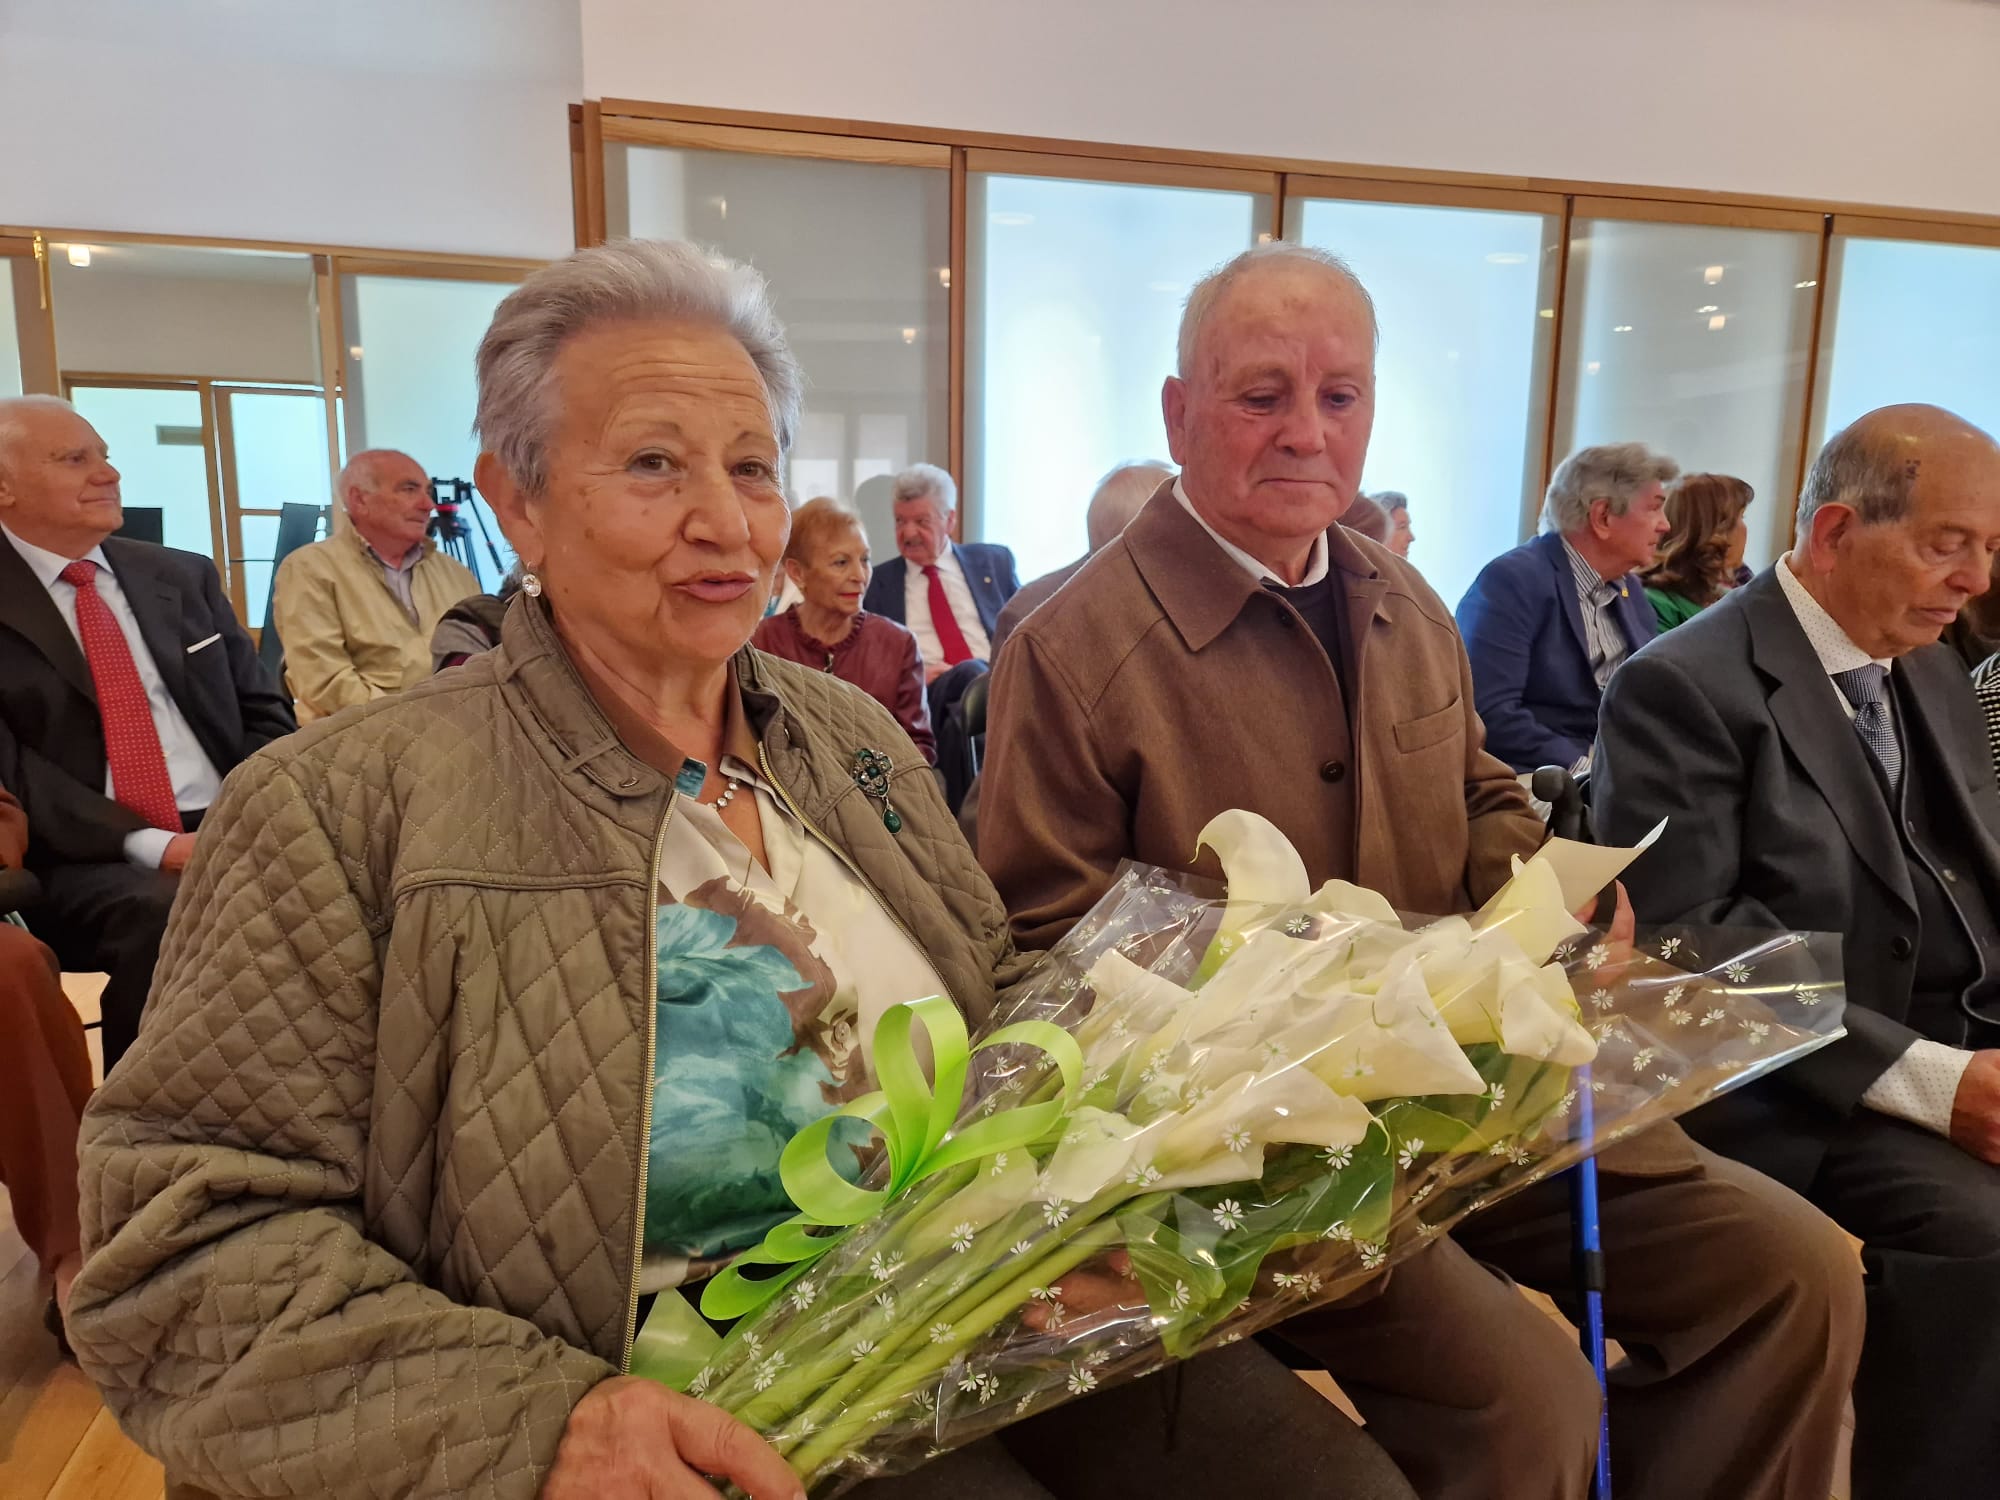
{"x": 239, "y": 1321}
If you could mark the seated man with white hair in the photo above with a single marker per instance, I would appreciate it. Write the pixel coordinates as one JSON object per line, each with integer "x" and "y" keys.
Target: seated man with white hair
{"x": 356, "y": 611}
{"x": 1547, "y": 624}
{"x": 131, "y": 692}
{"x": 1119, "y": 496}
{"x": 948, "y": 594}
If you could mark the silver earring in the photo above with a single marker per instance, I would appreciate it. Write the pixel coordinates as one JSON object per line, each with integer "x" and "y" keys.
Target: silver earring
{"x": 531, "y": 585}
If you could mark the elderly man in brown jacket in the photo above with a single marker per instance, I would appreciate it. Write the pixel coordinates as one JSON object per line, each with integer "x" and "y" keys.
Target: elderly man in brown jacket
{"x": 1236, "y": 648}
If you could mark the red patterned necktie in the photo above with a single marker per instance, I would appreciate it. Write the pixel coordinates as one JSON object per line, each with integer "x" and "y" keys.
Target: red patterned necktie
{"x": 139, "y": 778}
{"x": 951, "y": 640}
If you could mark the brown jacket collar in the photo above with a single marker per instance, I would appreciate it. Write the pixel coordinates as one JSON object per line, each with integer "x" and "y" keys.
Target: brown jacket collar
{"x": 1202, "y": 590}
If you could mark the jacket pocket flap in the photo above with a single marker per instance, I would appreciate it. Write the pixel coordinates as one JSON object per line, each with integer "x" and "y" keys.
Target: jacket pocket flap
{"x": 1430, "y": 729}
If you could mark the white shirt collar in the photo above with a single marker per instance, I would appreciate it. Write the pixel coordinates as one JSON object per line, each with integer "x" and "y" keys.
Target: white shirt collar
{"x": 47, "y": 566}
{"x": 1833, "y": 646}
{"x": 1317, "y": 565}
{"x": 947, "y": 562}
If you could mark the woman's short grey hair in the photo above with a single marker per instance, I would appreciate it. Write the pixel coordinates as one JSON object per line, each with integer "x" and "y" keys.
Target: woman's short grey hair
{"x": 1615, "y": 472}
{"x": 927, "y": 482}
{"x": 1870, "y": 474}
{"x": 625, "y": 281}
{"x": 1391, "y": 500}
{"x": 1208, "y": 291}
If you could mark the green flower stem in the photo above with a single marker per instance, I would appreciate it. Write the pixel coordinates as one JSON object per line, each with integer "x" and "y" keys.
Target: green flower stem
{"x": 735, "y": 1387}
{"x": 970, "y": 1326}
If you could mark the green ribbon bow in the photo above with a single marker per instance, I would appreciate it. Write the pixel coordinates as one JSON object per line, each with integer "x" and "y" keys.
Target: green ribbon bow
{"x": 914, "y": 1116}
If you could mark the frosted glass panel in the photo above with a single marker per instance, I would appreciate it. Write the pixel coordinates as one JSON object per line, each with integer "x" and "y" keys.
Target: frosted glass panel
{"x": 1073, "y": 306}
{"x": 172, "y": 475}
{"x": 857, "y": 256}
{"x": 1911, "y": 322}
{"x": 1693, "y": 339}
{"x": 1460, "y": 371}
{"x": 280, "y": 442}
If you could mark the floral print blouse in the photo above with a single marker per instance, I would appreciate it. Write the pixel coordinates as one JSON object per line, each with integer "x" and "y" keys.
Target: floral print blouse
{"x": 768, "y": 982}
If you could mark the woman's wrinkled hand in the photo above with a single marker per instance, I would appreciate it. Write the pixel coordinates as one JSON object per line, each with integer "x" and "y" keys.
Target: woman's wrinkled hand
{"x": 1101, "y": 1292}
{"x": 631, "y": 1439}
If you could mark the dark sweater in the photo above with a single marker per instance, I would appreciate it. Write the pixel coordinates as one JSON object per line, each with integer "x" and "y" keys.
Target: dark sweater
{"x": 878, "y": 656}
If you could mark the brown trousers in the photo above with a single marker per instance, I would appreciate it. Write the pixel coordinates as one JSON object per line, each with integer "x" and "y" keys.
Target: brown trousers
{"x": 48, "y": 1082}
{"x": 1738, "y": 1304}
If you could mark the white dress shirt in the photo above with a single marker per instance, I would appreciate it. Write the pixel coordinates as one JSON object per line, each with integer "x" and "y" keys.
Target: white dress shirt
{"x": 1317, "y": 564}
{"x": 1922, "y": 1084}
{"x": 196, "y": 782}
{"x": 957, "y": 593}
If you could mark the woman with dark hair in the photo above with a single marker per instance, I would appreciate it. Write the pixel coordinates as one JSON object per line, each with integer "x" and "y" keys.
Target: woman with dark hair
{"x": 1700, "y": 557}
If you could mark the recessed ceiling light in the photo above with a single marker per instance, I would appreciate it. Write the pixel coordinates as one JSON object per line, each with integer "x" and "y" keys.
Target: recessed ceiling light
{"x": 1802, "y": 285}
{"x": 79, "y": 255}
{"x": 909, "y": 335}
{"x": 944, "y": 276}
{"x": 1547, "y": 312}
{"x": 1715, "y": 323}
{"x": 1506, "y": 258}
{"x": 1712, "y": 275}
{"x": 354, "y": 351}
{"x": 1593, "y": 367}
{"x": 1708, "y": 309}
{"x": 1623, "y": 328}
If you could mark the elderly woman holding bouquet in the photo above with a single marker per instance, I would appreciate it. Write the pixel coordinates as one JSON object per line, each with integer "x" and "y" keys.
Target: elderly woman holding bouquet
{"x": 488, "y": 1008}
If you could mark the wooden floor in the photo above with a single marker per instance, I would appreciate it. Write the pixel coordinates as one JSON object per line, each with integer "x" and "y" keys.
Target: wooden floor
{"x": 57, "y": 1442}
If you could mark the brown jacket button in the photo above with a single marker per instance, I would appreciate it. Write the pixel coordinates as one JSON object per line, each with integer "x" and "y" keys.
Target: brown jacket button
{"x": 1333, "y": 770}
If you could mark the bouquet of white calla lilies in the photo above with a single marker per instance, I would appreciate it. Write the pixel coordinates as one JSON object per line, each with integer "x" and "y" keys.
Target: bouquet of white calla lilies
{"x": 1262, "y": 1101}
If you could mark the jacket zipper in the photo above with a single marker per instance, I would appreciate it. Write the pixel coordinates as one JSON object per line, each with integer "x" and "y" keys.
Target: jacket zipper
{"x": 652, "y": 1005}
{"x": 764, "y": 762}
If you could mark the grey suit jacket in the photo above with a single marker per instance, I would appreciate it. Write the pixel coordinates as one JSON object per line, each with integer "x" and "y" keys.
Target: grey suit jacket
{"x": 1730, "y": 728}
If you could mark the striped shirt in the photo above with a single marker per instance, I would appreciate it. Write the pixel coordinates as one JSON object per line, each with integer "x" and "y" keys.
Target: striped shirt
{"x": 1598, "y": 597}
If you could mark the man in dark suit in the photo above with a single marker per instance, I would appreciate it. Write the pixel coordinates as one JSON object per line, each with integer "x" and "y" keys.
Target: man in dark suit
{"x": 1821, "y": 765}
{"x": 1547, "y": 624}
{"x": 948, "y": 595}
{"x": 132, "y": 691}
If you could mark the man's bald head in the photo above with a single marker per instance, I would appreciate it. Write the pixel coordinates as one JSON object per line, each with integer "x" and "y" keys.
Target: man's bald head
{"x": 1120, "y": 496}
{"x": 58, "y": 489}
{"x": 1899, "y": 525}
{"x": 1278, "y": 268}
{"x": 1876, "y": 463}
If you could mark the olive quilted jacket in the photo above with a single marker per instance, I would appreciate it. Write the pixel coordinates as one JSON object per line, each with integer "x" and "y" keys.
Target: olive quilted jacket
{"x": 361, "y": 1207}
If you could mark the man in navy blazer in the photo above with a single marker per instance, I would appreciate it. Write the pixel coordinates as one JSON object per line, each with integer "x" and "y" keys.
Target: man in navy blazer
{"x": 973, "y": 580}
{"x": 1547, "y": 624}
{"x": 109, "y": 871}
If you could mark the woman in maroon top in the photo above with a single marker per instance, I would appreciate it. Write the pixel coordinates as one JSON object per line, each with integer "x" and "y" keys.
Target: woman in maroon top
{"x": 828, "y": 559}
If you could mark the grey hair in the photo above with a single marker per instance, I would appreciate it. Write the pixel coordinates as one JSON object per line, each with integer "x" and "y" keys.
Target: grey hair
{"x": 1871, "y": 475}
{"x": 1614, "y": 472}
{"x": 1121, "y": 495}
{"x": 11, "y": 410}
{"x": 1209, "y": 290}
{"x": 623, "y": 281}
{"x": 924, "y": 482}
{"x": 359, "y": 472}
{"x": 1391, "y": 501}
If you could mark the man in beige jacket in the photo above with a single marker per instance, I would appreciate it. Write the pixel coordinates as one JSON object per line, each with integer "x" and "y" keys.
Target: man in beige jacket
{"x": 1237, "y": 648}
{"x": 356, "y": 611}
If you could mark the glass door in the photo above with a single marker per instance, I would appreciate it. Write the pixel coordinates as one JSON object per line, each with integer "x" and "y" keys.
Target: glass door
{"x": 162, "y": 442}
{"x": 271, "y": 441}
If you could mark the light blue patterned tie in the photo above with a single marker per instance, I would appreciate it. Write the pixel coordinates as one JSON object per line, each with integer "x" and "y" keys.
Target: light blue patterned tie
{"x": 1867, "y": 688}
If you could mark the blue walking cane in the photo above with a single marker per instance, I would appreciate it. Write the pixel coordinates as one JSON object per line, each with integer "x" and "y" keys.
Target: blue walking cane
{"x": 1568, "y": 819}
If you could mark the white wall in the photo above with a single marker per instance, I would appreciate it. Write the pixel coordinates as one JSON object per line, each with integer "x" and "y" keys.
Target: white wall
{"x": 111, "y": 323}
{"x": 1874, "y": 101}
{"x": 403, "y": 124}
